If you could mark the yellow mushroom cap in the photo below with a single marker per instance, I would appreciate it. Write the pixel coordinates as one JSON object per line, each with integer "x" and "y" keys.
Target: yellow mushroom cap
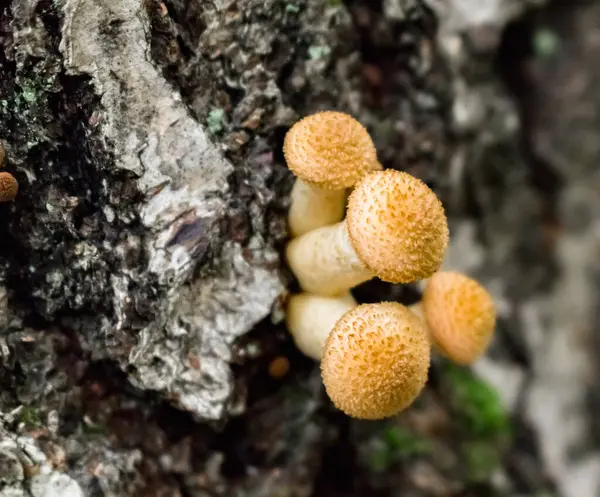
{"x": 330, "y": 150}
{"x": 8, "y": 187}
{"x": 461, "y": 316}
{"x": 376, "y": 360}
{"x": 397, "y": 226}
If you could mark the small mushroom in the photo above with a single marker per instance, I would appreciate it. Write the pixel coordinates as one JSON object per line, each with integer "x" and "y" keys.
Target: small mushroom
{"x": 327, "y": 152}
{"x": 460, "y": 315}
{"x": 8, "y": 187}
{"x": 310, "y": 318}
{"x": 376, "y": 360}
{"x": 395, "y": 228}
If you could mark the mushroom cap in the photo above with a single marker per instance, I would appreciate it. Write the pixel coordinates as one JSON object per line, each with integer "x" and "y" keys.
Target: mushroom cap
{"x": 461, "y": 316}
{"x": 397, "y": 226}
{"x": 8, "y": 187}
{"x": 330, "y": 150}
{"x": 376, "y": 360}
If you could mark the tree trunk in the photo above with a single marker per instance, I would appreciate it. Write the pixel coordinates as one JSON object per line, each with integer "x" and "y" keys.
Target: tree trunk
{"x": 141, "y": 276}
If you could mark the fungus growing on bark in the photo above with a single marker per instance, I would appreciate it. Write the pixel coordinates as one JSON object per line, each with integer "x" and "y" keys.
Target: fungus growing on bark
{"x": 310, "y": 318}
{"x": 327, "y": 152}
{"x": 395, "y": 228}
{"x": 460, "y": 315}
{"x": 8, "y": 187}
{"x": 376, "y": 360}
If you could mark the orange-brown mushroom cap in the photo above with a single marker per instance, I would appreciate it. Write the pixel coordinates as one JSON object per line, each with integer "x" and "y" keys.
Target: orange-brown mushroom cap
{"x": 397, "y": 226}
{"x": 461, "y": 316}
{"x": 8, "y": 187}
{"x": 376, "y": 360}
{"x": 330, "y": 150}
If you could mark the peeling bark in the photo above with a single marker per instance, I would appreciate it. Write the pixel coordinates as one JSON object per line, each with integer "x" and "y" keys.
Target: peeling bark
{"x": 141, "y": 274}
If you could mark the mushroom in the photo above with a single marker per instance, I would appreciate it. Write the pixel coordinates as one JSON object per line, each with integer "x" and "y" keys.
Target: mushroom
{"x": 376, "y": 360}
{"x": 460, "y": 315}
{"x": 327, "y": 152}
{"x": 310, "y": 318}
{"x": 8, "y": 187}
{"x": 395, "y": 228}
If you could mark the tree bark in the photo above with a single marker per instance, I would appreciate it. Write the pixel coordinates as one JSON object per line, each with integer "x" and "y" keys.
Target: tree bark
{"x": 141, "y": 276}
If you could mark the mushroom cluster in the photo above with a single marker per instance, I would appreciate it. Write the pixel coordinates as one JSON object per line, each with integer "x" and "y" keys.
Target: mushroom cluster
{"x": 8, "y": 184}
{"x": 374, "y": 357}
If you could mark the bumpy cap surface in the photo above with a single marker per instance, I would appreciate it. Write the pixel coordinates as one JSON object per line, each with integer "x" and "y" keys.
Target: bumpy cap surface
{"x": 376, "y": 360}
{"x": 8, "y": 187}
{"x": 461, "y": 316}
{"x": 397, "y": 226}
{"x": 330, "y": 150}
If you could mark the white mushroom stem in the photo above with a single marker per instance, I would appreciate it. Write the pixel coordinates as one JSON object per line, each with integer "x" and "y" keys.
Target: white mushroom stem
{"x": 417, "y": 310}
{"x": 324, "y": 261}
{"x": 312, "y": 207}
{"x": 310, "y": 318}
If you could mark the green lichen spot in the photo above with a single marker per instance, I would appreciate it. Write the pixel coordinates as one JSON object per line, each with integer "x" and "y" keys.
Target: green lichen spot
{"x": 292, "y": 8}
{"x": 215, "y": 120}
{"x": 316, "y": 52}
{"x": 545, "y": 43}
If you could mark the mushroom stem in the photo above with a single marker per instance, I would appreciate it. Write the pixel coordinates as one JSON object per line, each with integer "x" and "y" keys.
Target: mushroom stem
{"x": 417, "y": 310}
{"x": 395, "y": 229}
{"x": 312, "y": 207}
{"x": 310, "y": 318}
{"x": 324, "y": 261}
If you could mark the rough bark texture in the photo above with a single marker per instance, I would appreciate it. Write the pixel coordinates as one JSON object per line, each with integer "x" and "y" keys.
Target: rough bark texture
{"x": 141, "y": 277}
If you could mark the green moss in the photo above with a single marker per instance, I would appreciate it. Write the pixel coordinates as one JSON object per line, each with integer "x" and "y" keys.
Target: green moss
{"x": 30, "y": 416}
{"x": 481, "y": 459}
{"x": 477, "y": 405}
{"x": 393, "y": 445}
{"x": 32, "y": 91}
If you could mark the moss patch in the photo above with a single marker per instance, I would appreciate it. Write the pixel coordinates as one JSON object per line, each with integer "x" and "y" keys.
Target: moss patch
{"x": 477, "y": 405}
{"x": 392, "y": 445}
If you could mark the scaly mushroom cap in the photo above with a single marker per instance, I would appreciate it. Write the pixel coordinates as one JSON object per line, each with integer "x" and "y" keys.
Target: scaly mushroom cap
{"x": 376, "y": 360}
{"x": 397, "y": 226}
{"x": 8, "y": 187}
{"x": 461, "y": 316}
{"x": 330, "y": 150}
